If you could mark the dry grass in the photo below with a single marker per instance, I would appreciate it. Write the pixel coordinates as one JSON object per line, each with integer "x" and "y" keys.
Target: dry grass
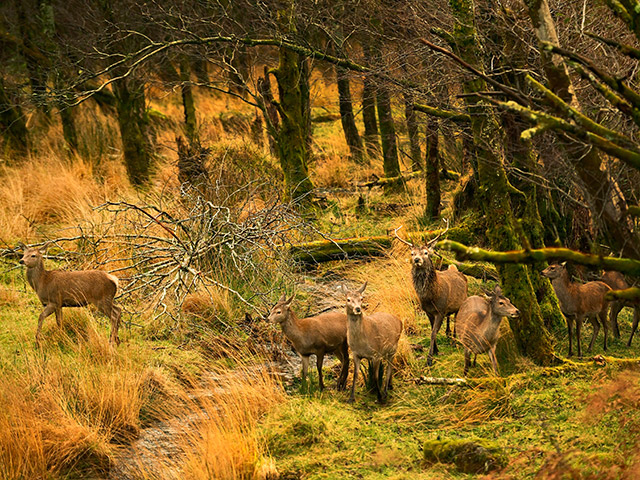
{"x": 57, "y": 414}
{"x": 216, "y": 428}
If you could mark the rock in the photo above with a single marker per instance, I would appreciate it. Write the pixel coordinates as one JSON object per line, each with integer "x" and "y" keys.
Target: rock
{"x": 468, "y": 455}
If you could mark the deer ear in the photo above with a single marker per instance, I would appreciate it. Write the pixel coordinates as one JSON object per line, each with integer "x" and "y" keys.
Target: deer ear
{"x": 288, "y": 302}
{"x": 564, "y": 264}
{"x": 363, "y": 287}
{"x": 497, "y": 291}
{"x": 283, "y": 297}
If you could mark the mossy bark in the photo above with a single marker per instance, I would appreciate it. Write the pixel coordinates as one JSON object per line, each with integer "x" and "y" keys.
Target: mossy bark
{"x": 390, "y": 162}
{"x": 133, "y": 124}
{"x": 188, "y": 103}
{"x": 293, "y": 134}
{"x": 432, "y": 210}
{"x": 371, "y": 134}
{"x": 413, "y": 130}
{"x": 532, "y": 338}
{"x": 351, "y": 135}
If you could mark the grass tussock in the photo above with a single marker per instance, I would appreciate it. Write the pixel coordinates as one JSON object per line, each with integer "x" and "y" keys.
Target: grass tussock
{"x": 57, "y": 414}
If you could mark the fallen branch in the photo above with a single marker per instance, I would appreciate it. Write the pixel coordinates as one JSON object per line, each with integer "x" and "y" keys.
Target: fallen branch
{"x": 629, "y": 294}
{"x": 623, "y": 265}
{"x": 381, "y": 181}
{"x": 422, "y": 380}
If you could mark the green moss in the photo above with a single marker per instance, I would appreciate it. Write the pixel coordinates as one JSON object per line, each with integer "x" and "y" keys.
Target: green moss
{"x": 468, "y": 455}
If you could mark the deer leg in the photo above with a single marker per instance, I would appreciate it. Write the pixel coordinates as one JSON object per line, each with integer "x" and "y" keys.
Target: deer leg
{"x": 59, "y": 317}
{"x": 613, "y": 318}
{"x": 447, "y": 330}
{"x": 494, "y": 361}
{"x": 636, "y": 317}
{"x": 569, "y": 328}
{"x": 578, "y": 328}
{"x": 475, "y": 357}
{"x": 343, "y": 353}
{"x": 596, "y": 330}
{"x": 305, "y": 369}
{"x": 467, "y": 360}
{"x": 319, "y": 360}
{"x": 48, "y": 310}
{"x": 356, "y": 367}
{"x": 115, "y": 316}
{"x": 433, "y": 347}
{"x": 376, "y": 378}
{"x": 387, "y": 381}
{"x": 605, "y": 326}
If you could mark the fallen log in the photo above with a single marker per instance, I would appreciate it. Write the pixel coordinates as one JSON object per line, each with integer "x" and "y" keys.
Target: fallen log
{"x": 320, "y": 251}
{"x": 382, "y": 181}
{"x": 422, "y": 380}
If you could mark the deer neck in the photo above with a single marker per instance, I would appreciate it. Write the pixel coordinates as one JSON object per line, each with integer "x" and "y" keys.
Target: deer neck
{"x": 423, "y": 278}
{"x": 291, "y": 328}
{"x": 565, "y": 291}
{"x": 493, "y": 325}
{"x": 36, "y": 274}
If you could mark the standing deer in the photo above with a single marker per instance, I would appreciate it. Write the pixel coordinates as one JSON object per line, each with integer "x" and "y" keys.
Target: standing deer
{"x": 59, "y": 288}
{"x": 374, "y": 337}
{"x": 319, "y": 335}
{"x": 580, "y": 301}
{"x": 617, "y": 281}
{"x": 440, "y": 292}
{"x": 478, "y": 325}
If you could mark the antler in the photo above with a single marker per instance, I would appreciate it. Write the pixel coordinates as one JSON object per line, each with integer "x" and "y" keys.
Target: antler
{"x": 433, "y": 241}
{"x": 395, "y": 233}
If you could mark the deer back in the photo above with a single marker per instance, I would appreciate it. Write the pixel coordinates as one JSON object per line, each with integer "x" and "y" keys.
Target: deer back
{"x": 375, "y": 335}
{"x": 615, "y": 280}
{"x": 327, "y": 330}
{"x": 591, "y": 297}
{"x": 452, "y": 288}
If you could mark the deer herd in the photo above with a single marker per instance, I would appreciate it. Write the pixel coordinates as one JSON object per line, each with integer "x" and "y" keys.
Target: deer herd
{"x": 375, "y": 336}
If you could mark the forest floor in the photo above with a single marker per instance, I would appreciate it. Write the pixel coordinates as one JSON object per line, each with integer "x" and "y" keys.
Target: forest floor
{"x": 214, "y": 403}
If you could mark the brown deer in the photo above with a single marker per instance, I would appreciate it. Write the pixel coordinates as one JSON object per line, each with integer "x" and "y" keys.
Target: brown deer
{"x": 478, "y": 325}
{"x": 374, "y": 337}
{"x": 319, "y": 335}
{"x": 580, "y": 301}
{"x": 59, "y": 288}
{"x": 440, "y": 292}
{"x": 617, "y": 281}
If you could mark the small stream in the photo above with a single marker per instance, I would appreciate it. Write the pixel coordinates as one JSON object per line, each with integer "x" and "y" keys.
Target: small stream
{"x": 162, "y": 440}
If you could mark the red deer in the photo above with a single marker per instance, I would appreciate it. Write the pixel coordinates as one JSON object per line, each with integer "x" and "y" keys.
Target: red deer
{"x": 580, "y": 301}
{"x": 478, "y": 325}
{"x": 440, "y": 292}
{"x": 374, "y": 337}
{"x": 319, "y": 335}
{"x": 58, "y": 288}
{"x": 617, "y": 281}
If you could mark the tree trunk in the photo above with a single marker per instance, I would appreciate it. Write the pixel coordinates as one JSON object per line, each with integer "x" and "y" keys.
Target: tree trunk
{"x": 586, "y": 159}
{"x": 132, "y": 121}
{"x": 269, "y": 110}
{"x": 413, "y": 131}
{"x": 14, "y": 126}
{"x": 390, "y": 164}
{"x": 371, "y": 135}
{"x": 432, "y": 157}
{"x": 532, "y": 338}
{"x": 347, "y": 118}
{"x": 188, "y": 103}
{"x": 305, "y": 92}
{"x": 293, "y": 134}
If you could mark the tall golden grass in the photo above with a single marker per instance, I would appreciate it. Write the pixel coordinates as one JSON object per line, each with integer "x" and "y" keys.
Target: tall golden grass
{"x": 62, "y": 413}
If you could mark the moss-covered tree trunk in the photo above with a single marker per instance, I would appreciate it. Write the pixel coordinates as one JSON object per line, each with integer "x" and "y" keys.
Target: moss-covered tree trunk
{"x": 14, "y": 125}
{"x": 293, "y": 134}
{"x": 369, "y": 118}
{"x": 188, "y": 103}
{"x": 133, "y": 123}
{"x": 432, "y": 157}
{"x": 390, "y": 162}
{"x": 585, "y": 158}
{"x": 532, "y": 337}
{"x": 413, "y": 130}
{"x": 351, "y": 135}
